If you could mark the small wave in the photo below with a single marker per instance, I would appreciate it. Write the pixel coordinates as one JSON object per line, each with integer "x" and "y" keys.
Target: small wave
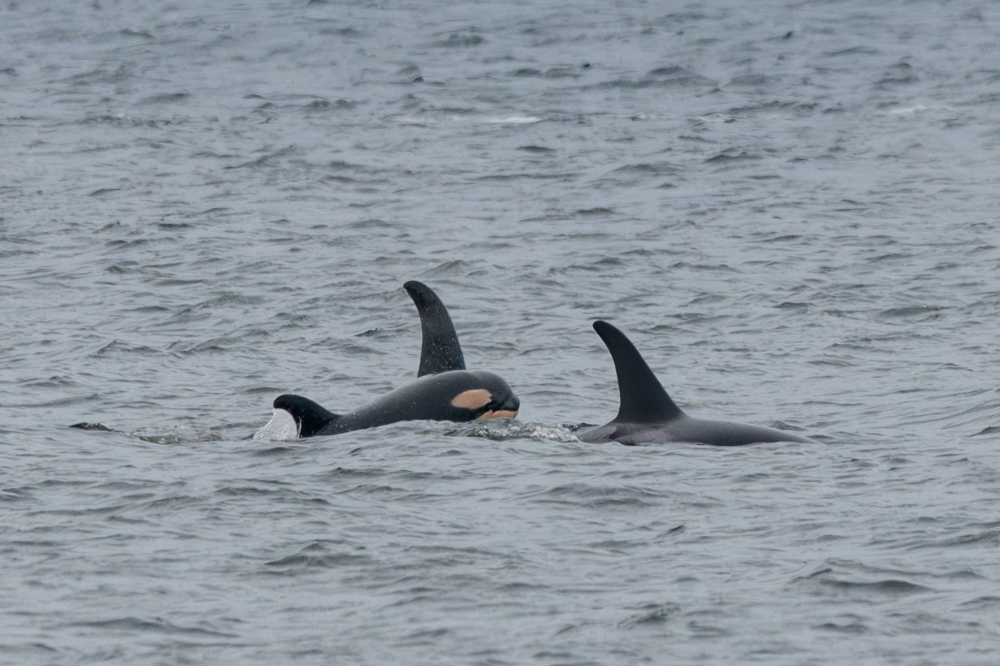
{"x": 460, "y": 40}
{"x": 176, "y": 437}
{"x": 731, "y": 155}
{"x": 447, "y": 269}
{"x": 849, "y": 628}
{"x": 274, "y": 451}
{"x": 320, "y": 555}
{"x": 663, "y": 77}
{"x": 912, "y": 311}
{"x": 167, "y": 98}
{"x": 117, "y": 346}
{"x": 330, "y": 561}
{"x": 985, "y": 602}
{"x": 652, "y": 614}
{"x": 888, "y": 587}
{"x": 515, "y": 120}
{"x": 856, "y": 578}
{"x": 986, "y": 537}
{"x": 268, "y": 159}
{"x": 129, "y": 32}
{"x": 595, "y": 496}
{"x": 156, "y": 625}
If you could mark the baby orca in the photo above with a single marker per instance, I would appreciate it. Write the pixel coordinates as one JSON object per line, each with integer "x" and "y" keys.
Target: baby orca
{"x": 444, "y": 389}
{"x": 456, "y": 395}
{"x": 648, "y": 415}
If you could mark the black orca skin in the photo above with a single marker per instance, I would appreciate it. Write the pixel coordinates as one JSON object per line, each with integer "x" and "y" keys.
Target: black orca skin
{"x": 648, "y": 415}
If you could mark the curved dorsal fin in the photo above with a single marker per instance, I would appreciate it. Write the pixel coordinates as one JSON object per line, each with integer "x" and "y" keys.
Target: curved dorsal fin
{"x": 642, "y": 397}
{"x": 439, "y": 351}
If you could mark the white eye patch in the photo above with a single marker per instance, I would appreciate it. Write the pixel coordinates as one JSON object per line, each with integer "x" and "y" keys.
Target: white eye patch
{"x": 282, "y": 427}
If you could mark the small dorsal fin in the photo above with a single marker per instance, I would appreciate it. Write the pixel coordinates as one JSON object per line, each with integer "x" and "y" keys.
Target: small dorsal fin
{"x": 310, "y": 416}
{"x": 439, "y": 351}
{"x": 642, "y": 397}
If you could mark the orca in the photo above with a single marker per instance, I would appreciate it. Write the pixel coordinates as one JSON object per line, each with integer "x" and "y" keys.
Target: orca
{"x": 444, "y": 389}
{"x": 647, "y": 414}
{"x": 455, "y": 395}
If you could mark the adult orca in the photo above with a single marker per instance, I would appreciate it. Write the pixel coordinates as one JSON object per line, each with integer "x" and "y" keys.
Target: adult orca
{"x": 648, "y": 415}
{"x": 444, "y": 389}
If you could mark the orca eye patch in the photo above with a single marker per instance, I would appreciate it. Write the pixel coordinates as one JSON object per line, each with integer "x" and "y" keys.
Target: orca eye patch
{"x": 472, "y": 399}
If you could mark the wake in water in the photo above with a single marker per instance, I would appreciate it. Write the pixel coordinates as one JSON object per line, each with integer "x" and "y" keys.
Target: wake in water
{"x": 174, "y": 437}
{"x": 504, "y": 429}
{"x": 494, "y": 429}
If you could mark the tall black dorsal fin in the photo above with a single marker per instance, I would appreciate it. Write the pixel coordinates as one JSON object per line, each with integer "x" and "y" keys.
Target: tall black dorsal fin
{"x": 642, "y": 397}
{"x": 309, "y": 415}
{"x": 439, "y": 351}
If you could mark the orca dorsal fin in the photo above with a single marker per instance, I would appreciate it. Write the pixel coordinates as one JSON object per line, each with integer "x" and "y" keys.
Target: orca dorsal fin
{"x": 309, "y": 416}
{"x": 643, "y": 399}
{"x": 439, "y": 351}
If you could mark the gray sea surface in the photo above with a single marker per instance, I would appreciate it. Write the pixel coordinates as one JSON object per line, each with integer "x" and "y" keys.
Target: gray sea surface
{"x": 792, "y": 208}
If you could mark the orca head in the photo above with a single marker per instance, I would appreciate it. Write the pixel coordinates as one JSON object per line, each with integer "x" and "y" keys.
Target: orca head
{"x": 495, "y": 400}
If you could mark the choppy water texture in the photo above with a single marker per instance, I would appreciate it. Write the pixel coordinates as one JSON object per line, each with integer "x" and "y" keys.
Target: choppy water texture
{"x": 791, "y": 208}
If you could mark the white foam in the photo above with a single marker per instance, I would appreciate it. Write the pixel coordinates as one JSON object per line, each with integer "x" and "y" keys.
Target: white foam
{"x": 504, "y": 429}
{"x": 515, "y": 120}
{"x": 282, "y": 427}
{"x": 909, "y": 110}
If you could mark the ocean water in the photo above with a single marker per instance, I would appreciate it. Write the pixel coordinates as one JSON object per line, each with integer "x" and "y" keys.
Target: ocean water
{"x": 792, "y": 208}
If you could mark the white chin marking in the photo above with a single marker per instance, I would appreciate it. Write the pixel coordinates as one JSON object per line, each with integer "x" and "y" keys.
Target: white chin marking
{"x": 282, "y": 427}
